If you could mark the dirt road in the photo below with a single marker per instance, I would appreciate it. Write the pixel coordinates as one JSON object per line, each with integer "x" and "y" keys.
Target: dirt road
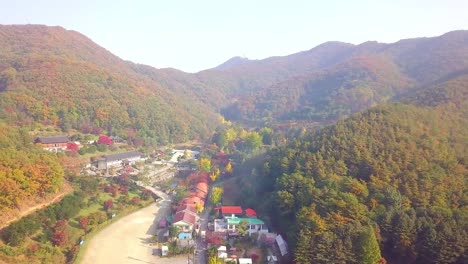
{"x": 127, "y": 240}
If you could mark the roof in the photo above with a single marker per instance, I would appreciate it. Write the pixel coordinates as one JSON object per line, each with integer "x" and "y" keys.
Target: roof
{"x": 245, "y": 261}
{"x": 202, "y": 186}
{"x": 52, "y": 140}
{"x": 193, "y": 200}
{"x": 250, "y": 212}
{"x": 251, "y": 221}
{"x": 122, "y": 156}
{"x": 185, "y": 217}
{"x": 201, "y": 195}
{"x": 231, "y": 210}
{"x": 187, "y": 208}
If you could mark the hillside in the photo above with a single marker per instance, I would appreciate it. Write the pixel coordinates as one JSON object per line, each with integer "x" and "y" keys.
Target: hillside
{"x": 388, "y": 182}
{"x": 335, "y": 80}
{"x": 52, "y": 76}
{"x": 27, "y": 173}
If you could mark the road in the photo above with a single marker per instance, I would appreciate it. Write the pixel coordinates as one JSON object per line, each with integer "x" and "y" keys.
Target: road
{"x": 128, "y": 239}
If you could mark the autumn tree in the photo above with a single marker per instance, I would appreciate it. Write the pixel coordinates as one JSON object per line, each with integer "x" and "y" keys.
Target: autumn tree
{"x": 83, "y": 222}
{"x": 216, "y": 195}
{"x": 228, "y": 168}
{"x": 59, "y": 238}
{"x": 204, "y": 164}
{"x": 108, "y": 205}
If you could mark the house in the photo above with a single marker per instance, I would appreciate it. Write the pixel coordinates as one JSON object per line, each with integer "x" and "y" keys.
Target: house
{"x": 202, "y": 187}
{"x": 188, "y": 208}
{"x": 231, "y": 211}
{"x": 118, "y": 159}
{"x": 193, "y": 200}
{"x": 249, "y": 212}
{"x": 54, "y": 144}
{"x": 255, "y": 225}
{"x": 186, "y": 223}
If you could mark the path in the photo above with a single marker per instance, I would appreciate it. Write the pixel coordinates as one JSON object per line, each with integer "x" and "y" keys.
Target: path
{"x": 57, "y": 198}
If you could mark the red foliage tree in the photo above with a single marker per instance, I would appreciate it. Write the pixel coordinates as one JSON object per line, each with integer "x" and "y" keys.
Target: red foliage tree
{"x": 72, "y": 146}
{"x": 84, "y": 222}
{"x": 135, "y": 200}
{"x": 61, "y": 225}
{"x": 255, "y": 257}
{"x": 60, "y": 238}
{"x": 109, "y": 204}
{"x": 105, "y": 140}
{"x": 124, "y": 190}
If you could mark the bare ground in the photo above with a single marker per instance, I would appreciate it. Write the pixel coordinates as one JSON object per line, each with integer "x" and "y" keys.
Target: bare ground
{"x": 128, "y": 239}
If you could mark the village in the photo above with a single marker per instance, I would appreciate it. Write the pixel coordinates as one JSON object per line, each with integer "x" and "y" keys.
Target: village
{"x": 196, "y": 224}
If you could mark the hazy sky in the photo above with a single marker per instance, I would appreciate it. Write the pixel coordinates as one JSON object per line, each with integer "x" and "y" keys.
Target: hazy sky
{"x": 193, "y": 35}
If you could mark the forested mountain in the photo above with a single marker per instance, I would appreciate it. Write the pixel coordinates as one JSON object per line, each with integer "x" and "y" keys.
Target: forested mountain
{"x": 52, "y": 76}
{"x": 388, "y": 182}
{"x": 335, "y": 80}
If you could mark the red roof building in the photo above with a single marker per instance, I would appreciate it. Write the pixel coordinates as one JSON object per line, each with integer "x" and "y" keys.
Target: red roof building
{"x": 250, "y": 212}
{"x": 231, "y": 210}
{"x": 193, "y": 201}
{"x": 202, "y": 186}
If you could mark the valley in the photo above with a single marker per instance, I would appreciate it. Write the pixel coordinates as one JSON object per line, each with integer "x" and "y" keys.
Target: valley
{"x": 351, "y": 153}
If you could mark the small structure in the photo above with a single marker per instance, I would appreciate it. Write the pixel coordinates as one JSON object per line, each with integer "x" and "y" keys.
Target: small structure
{"x": 282, "y": 245}
{"x": 54, "y": 144}
{"x": 272, "y": 259}
{"x": 164, "y": 250}
{"x": 162, "y": 223}
{"x": 245, "y": 261}
{"x": 222, "y": 252}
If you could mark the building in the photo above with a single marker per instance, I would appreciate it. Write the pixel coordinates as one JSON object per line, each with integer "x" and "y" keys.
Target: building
{"x": 255, "y": 225}
{"x": 250, "y": 212}
{"x": 118, "y": 159}
{"x": 54, "y": 144}
{"x": 186, "y": 224}
{"x": 229, "y": 225}
{"x": 231, "y": 211}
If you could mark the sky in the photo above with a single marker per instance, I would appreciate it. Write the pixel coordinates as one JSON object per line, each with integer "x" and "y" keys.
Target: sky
{"x": 194, "y": 35}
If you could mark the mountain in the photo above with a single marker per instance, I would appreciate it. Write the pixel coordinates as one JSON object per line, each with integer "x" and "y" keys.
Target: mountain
{"x": 393, "y": 176}
{"x": 232, "y": 62}
{"x": 53, "y": 76}
{"x": 336, "y": 79}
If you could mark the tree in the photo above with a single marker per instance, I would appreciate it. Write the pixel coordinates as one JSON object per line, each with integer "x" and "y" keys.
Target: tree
{"x": 84, "y": 222}
{"x": 253, "y": 141}
{"x": 109, "y": 204}
{"x": 174, "y": 231}
{"x": 216, "y": 194}
{"x": 104, "y": 140}
{"x": 72, "y": 146}
{"x": 135, "y": 200}
{"x": 243, "y": 228}
{"x": 59, "y": 238}
{"x": 205, "y": 164}
{"x": 368, "y": 251}
{"x": 228, "y": 168}
{"x": 214, "y": 175}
